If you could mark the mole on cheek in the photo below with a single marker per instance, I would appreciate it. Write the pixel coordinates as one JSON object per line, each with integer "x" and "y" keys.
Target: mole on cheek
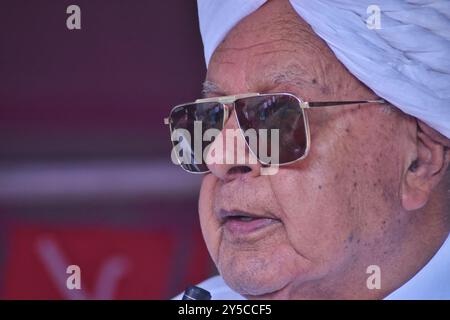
{"x": 348, "y": 241}
{"x": 350, "y": 238}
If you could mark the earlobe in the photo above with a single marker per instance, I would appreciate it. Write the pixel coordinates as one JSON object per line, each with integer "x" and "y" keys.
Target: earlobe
{"x": 424, "y": 173}
{"x": 414, "y": 195}
{"x": 413, "y": 199}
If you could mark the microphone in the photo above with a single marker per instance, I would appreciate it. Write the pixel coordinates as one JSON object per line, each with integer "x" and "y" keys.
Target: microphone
{"x": 196, "y": 293}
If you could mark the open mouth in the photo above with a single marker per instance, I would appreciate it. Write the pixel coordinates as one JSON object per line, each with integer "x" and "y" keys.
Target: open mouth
{"x": 238, "y": 222}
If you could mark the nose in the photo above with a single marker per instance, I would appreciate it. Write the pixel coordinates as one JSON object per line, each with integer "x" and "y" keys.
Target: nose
{"x": 228, "y": 156}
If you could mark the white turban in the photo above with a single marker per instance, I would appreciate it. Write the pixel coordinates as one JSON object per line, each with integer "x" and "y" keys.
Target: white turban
{"x": 406, "y": 61}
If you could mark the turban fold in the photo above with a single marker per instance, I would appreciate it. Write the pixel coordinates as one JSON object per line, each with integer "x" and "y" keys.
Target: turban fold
{"x": 405, "y": 59}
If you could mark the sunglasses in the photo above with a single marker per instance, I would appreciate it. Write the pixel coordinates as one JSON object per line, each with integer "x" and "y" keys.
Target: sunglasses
{"x": 283, "y": 112}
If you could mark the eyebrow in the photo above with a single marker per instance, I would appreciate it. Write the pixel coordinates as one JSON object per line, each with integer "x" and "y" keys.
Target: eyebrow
{"x": 292, "y": 76}
{"x": 211, "y": 88}
{"x": 295, "y": 75}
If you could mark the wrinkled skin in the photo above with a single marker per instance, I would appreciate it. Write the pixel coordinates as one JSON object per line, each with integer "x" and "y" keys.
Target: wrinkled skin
{"x": 352, "y": 203}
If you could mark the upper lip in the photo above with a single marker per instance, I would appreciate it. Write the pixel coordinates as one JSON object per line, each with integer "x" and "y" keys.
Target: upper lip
{"x": 223, "y": 215}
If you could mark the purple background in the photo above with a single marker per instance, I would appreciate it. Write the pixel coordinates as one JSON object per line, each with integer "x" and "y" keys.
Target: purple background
{"x": 82, "y": 141}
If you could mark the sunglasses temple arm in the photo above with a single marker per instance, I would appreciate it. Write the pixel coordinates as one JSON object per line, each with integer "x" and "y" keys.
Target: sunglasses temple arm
{"x": 338, "y": 103}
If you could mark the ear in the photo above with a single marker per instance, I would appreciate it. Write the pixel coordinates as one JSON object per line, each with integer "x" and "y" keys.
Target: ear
{"x": 427, "y": 170}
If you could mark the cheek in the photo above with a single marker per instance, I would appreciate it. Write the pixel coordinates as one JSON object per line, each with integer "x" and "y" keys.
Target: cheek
{"x": 208, "y": 222}
{"x": 316, "y": 215}
{"x": 341, "y": 195}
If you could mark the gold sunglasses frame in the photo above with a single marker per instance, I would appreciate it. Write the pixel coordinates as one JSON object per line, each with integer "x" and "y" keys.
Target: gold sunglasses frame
{"x": 228, "y": 105}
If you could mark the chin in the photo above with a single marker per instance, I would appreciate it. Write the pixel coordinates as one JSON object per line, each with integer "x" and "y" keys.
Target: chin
{"x": 255, "y": 277}
{"x": 256, "y": 286}
{"x": 282, "y": 294}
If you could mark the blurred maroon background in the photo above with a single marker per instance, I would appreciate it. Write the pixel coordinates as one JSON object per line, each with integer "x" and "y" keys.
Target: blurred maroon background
{"x": 85, "y": 170}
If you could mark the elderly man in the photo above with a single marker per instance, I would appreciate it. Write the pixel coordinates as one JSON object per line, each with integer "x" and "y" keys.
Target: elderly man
{"x": 364, "y": 192}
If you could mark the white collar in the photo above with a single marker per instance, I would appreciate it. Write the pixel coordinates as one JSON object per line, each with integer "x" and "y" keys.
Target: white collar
{"x": 432, "y": 282}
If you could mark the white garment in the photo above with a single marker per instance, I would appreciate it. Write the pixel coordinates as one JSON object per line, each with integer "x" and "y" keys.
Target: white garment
{"x": 406, "y": 61}
{"x": 432, "y": 282}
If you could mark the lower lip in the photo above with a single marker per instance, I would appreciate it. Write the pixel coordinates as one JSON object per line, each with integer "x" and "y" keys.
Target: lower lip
{"x": 237, "y": 226}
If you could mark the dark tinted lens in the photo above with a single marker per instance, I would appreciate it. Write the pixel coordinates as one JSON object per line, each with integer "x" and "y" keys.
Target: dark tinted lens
{"x": 269, "y": 112}
{"x": 188, "y": 124}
